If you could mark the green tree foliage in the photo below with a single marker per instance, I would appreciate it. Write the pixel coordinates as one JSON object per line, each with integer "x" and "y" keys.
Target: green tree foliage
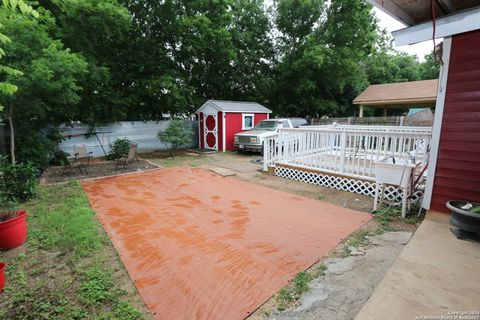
{"x": 98, "y": 30}
{"x": 99, "y": 61}
{"x": 7, "y": 88}
{"x": 196, "y": 50}
{"x": 385, "y": 65}
{"x": 251, "y": 71}
{"x": 47, "y": 90}
{"x": 178, "y": 133}
{"x": 325, "y": 72}
{"x": 429, "y": 69}
{"x": 295, "y": 19}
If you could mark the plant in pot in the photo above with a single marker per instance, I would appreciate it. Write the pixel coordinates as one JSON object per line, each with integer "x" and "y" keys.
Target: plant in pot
{"x": 18, "y": 183}
{"x": 465, "y": 215}
{"x": 13, "y": 228}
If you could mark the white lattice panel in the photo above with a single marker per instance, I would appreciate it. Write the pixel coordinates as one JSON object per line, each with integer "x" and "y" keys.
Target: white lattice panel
{"x": 342, "y": 183}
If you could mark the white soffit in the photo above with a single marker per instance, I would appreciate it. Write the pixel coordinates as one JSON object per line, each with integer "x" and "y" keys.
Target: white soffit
{"x": 393, "y": 10}
{"x": 461, "y": 22}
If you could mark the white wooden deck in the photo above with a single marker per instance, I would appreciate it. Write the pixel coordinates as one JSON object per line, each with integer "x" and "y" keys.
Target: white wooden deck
{"x": 347, "y": 150}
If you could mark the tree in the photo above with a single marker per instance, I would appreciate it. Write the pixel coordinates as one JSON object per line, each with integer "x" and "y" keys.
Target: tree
{"x": 296, "y": 19}
{"x": 190, "y": 51}
{"x": 7, "y": 88}
{"x": 325, "y": 71}
{"x": 429, "y": 69}
{"x": 251, "y": 71}
{"x": 389, "y": 68}
{"x": 99, "y": 31}
{"x": 386, "y": 65}
{"x": 47, "y": 90}
{"x": 177, "y": 134}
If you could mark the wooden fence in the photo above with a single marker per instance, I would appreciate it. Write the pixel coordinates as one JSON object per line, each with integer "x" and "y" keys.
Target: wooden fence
{"x": 369, "y": 121}
{"x": 144, "y": 134}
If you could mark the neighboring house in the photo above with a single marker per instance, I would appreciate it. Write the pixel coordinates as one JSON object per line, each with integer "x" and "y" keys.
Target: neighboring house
{"x": 400, "y": 95}
{"x": 454, "y": 165}
{"x": 220, "y": 120}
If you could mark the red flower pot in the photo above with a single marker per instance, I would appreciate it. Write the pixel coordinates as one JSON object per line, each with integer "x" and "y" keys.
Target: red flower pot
{"x": 13, "y": 232}
{"x": 2, "y": 276}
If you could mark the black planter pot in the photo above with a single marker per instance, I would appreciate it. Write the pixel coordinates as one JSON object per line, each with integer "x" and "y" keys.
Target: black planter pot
{"x": 463, "y": 219}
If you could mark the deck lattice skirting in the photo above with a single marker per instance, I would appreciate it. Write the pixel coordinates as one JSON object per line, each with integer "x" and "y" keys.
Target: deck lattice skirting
{"x": 342, "y": 183}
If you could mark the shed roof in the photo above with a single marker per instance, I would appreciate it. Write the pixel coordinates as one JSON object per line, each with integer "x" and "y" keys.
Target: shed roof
{"x": 236, "y": 106}
{"x": 402, "y": 94}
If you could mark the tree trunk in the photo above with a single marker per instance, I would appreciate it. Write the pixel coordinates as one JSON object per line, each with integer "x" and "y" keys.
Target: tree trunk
{"x": 12, "y": 134}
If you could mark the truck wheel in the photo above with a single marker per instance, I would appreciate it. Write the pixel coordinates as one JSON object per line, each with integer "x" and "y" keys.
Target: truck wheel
{"x": 261, "y": 150}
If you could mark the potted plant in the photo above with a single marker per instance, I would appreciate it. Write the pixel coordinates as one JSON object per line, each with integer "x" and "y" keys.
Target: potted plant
{"x": 13, "y": 228}
{"x": 465, "y": 215}
{"x": 2, "y": 276}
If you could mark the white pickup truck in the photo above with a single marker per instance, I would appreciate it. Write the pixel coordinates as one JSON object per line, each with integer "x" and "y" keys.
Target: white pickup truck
{"x": 252, "y": 140}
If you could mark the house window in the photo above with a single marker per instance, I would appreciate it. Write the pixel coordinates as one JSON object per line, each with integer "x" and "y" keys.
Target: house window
{"x": 247, "y": 121}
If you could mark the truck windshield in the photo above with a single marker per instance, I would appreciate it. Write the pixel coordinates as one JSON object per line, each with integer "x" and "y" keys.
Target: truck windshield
{"x": 267, "y": 125}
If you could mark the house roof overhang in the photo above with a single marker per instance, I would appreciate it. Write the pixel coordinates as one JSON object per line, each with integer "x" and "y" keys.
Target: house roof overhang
{"x": 452, "y": 17}
{"x": 400, "y": 95}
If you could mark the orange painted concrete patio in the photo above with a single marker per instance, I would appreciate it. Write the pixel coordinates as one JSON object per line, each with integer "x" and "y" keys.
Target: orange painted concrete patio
{"x": 201, "y": 246}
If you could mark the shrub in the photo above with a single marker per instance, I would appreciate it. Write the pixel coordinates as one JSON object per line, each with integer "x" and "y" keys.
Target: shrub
{"x": 18, "y": 181}
{"x": 177, "y": 134}
{"x": 58, "y": 156}
{"x": 118, "y": 149}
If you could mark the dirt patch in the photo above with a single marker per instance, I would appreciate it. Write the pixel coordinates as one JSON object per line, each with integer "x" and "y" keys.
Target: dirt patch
{"x": 340, "y": 198}
{"x": 93, "y": 170}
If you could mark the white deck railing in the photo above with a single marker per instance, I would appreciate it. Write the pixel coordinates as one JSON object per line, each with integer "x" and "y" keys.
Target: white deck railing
{"x": 346, "y": 150}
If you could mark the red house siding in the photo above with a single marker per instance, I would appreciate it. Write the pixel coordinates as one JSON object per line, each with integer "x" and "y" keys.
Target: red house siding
{"x": 457, "y": 174}
{"x": 234, "y": 125}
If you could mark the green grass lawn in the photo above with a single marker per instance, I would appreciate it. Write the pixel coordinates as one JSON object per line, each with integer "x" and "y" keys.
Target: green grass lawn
{"x": 68, "y": 269}
{"x": 182, "y": 160}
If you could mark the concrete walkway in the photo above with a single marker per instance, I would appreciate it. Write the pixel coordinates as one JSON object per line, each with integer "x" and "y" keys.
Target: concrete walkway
{"x": 435, "y": 274}
{"x": 348, "y": 282}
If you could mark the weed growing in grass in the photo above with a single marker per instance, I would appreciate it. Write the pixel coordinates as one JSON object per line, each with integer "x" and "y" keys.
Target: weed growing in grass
{"x": 123, "y": 311}
{"x": 97, "y": 288}
{"x": 386, "y": 215}
{"x": 320, "y": 270}
{"x": 359, "y": 238}
{"x": 289, "y": 295}
{"x": 302, "y": 279}
{"x": 356, "y": 240}
{"x": 285, "y": 298}
{"x": 266, "y": 313}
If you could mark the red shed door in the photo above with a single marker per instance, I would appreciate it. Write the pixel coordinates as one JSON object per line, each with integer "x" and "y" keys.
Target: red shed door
{"x": 210, "y": 131}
